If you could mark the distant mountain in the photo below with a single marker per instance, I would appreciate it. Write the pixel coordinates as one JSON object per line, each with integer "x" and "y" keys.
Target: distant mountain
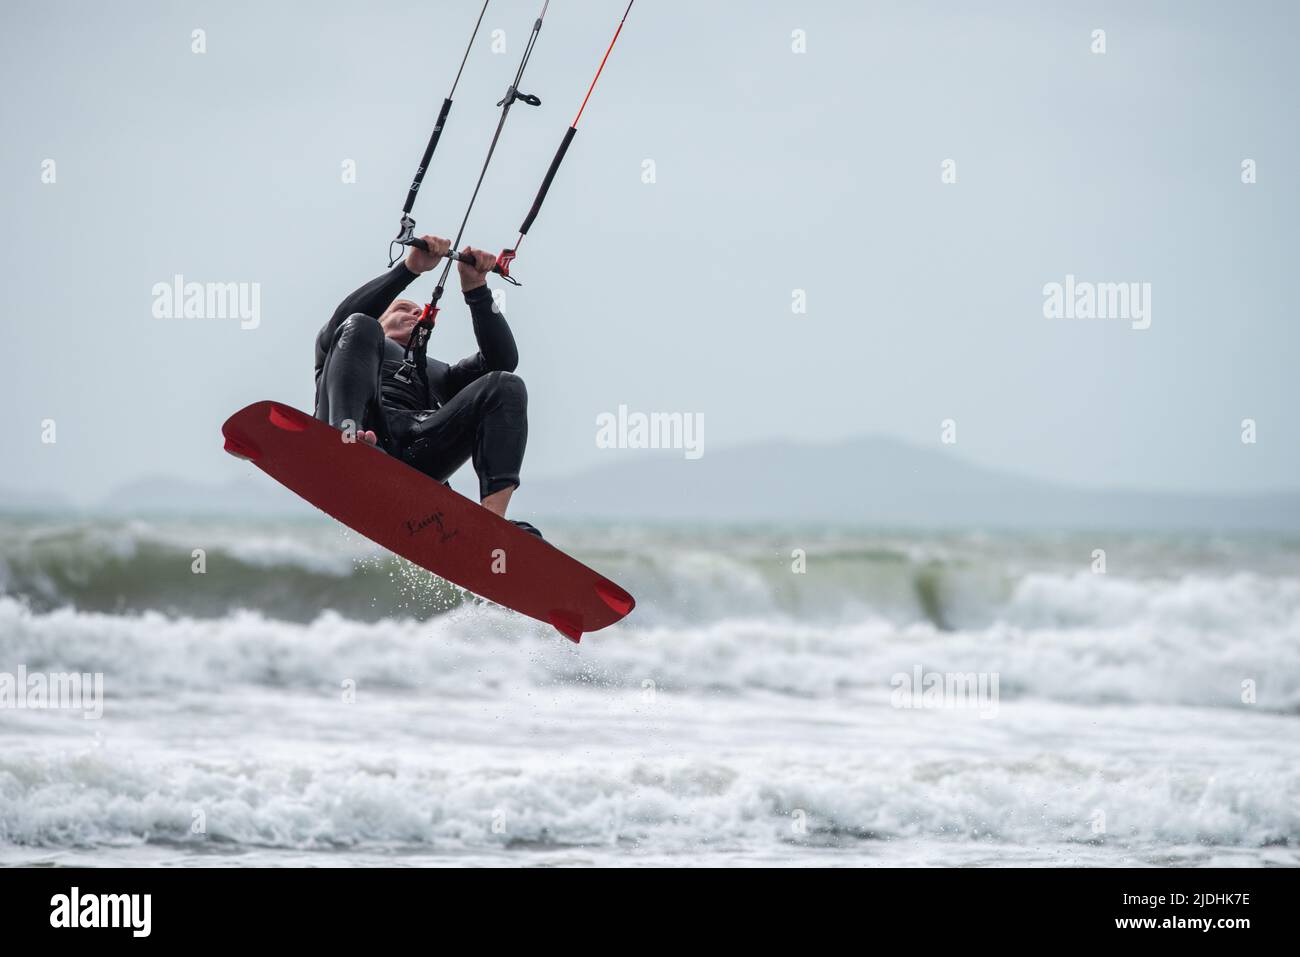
{"x": 253, "y": 494}
{"x": 869, "y": 481}
{"x": 878, "y": 481}
{"x": 23, "y": 500}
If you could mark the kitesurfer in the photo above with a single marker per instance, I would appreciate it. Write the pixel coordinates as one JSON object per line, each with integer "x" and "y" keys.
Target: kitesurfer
{"x": 431, "y": 415}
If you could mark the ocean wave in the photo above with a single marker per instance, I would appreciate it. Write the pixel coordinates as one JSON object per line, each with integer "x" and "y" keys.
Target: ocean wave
{"x": 294, "y": 571}
{"x": 153, "y": 653}
{"x": 1191, "y": 641}
{"x": 92, "y": 798}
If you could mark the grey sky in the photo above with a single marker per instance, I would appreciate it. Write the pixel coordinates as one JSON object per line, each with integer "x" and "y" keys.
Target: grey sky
{"x": 775, "y": 171}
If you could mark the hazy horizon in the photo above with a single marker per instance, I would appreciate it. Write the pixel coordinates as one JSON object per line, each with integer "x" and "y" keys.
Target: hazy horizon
{"x": 776, "y": 171}
{"x": 898, "y": 486}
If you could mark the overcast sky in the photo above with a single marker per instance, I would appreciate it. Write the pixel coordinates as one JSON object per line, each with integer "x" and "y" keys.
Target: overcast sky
{"x": 774, "y": 171}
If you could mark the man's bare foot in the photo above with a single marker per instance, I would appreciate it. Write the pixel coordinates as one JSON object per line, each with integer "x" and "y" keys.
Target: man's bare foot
{"x": 496, "y": 502}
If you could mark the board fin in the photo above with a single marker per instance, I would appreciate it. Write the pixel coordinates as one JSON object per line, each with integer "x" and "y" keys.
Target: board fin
{"x": 241, "y": 448}
{"x": 567, "y": 624}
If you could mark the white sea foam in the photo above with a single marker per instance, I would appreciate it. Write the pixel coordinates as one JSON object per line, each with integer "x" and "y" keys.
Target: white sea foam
{"x": 685, "y": 803}
{"x": 1193, "y": 641}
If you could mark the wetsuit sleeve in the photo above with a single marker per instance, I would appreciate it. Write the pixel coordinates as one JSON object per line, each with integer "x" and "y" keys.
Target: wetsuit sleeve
{"x": 496, "y": 344}
{"x": 370, "y": 300}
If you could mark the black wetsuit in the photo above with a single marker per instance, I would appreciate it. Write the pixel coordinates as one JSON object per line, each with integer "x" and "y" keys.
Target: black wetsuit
{"x": 475, "y": 409}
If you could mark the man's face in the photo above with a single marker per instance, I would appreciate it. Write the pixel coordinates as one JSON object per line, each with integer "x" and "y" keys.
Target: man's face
{"x": 399, "y": 319}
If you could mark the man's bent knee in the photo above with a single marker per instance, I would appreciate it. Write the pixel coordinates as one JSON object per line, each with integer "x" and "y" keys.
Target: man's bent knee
{"x": 511, "y": 386}
{"x": 359, "y": 331}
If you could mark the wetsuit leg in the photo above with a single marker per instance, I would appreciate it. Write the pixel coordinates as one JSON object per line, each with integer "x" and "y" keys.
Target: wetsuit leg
{"x": 349, "y": 382}
{"x": 486, "y": 421}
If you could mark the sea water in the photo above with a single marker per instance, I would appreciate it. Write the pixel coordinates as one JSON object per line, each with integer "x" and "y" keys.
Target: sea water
{"x": 286, "y": 694}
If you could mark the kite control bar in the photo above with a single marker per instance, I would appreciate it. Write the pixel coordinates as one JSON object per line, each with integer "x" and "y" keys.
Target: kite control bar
{"x": 406, "y": 230}
{"x": 502, "y": 268}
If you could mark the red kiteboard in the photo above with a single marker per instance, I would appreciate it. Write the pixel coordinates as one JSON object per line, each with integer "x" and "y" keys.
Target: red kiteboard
{"x": 423, "y": 520}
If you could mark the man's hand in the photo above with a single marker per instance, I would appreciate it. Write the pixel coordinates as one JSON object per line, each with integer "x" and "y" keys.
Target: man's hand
{"x": 473, "y": 275}
{"x": 418, "y": 261}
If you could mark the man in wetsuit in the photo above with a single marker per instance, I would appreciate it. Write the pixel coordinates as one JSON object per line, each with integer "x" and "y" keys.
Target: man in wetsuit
{"x": 429, "y": 414}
